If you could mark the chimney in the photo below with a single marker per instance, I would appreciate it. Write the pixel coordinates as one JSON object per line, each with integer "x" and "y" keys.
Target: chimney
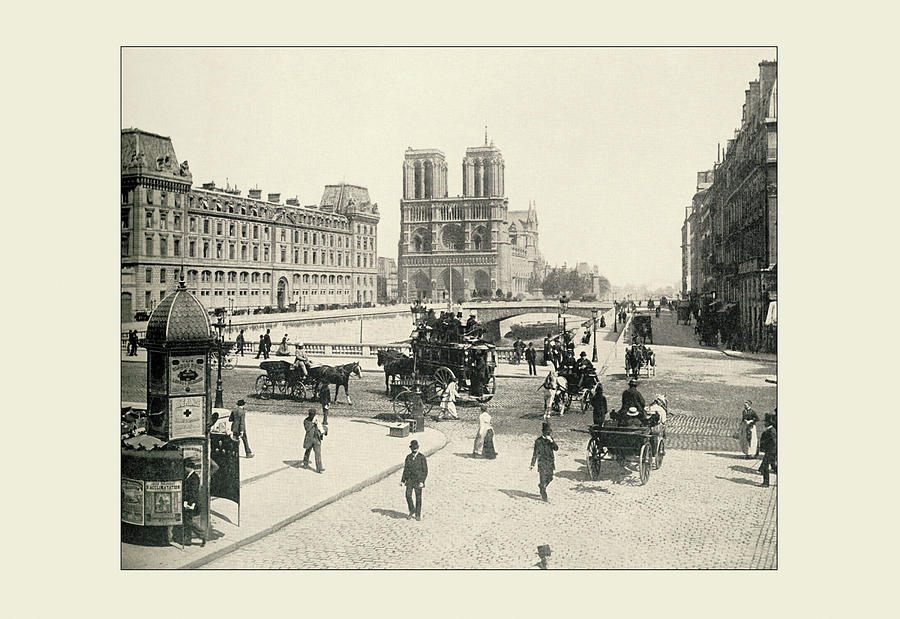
{"x": 211, "y": 185}
{"x": 768, "y": 73}
{"x": 745, "y": 111}
{"x": 255, "y": 194}
{"x": 275, "y": 198}
{"x": 753, "y": 101}
{"x": 292, "y": 201}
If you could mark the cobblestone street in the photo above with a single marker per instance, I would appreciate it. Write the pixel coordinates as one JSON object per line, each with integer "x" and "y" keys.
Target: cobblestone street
{"x": 700, "y": 510}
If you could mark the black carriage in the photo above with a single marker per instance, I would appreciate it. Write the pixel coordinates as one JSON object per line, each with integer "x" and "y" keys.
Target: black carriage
{"x": 640, "y": 361}
{"x": 282, "y": 377}
{"x": 642, "y": 327}
{"x": 441, "y": 361}
{"x": 578, "y": 389}
{"x": 624, "y": 444}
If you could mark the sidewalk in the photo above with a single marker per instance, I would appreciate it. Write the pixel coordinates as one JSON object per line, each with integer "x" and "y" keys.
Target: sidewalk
{"x": 276, "y": 491}
{"x": 758, "y": 356}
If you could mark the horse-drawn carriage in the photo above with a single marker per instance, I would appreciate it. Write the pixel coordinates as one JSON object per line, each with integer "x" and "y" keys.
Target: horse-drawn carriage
{"x": 578, "y": 388}
{"x": 641, "y": 327}
{"x": 288, "y": 379}
{"x": 623, "y": 444}
{"x": 432, "y": 366}
{"x": 640, "y": 360}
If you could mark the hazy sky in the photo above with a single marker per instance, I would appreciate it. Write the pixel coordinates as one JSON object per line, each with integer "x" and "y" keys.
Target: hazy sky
{"x": 606, "y": 141}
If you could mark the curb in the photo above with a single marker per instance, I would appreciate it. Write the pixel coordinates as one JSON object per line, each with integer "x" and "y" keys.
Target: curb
{"x": 750, "y": 357}
{"x": 302, "y": 514}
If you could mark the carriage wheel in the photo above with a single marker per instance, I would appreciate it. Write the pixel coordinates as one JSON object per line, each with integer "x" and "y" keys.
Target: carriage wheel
{"x": 265, "y": 388}
{"x": 298, "y": 391}
{"x": 442, "y": 376}
{"x": 403, "y": 403}
{"x": 431, "y": 396}
{"x": 644, "y": 463}
{"x": 660, "y": 453}
{"x": 594, "y": 456}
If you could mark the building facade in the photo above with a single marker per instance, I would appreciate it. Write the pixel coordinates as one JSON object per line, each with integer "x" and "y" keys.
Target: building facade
{"x": 387, "y": 280}
{"x": 733, "y": 221}
{"x": 237, "y": 252}
{"x": 470, "y": 245}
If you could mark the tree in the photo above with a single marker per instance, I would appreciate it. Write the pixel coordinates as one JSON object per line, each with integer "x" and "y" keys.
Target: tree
{"x": 565, "y": 280}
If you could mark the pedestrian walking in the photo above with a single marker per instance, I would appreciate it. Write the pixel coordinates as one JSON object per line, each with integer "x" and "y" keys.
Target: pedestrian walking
{"x": 325, "y": 401}
{"x": 531, "y": 358}
{"x": 261, "y": 347}
{"x": 239, "y": 427}
{"x": 240, "y": 343}
{"x": 132, "y": 343}
{"x": 312, "y": 441}
{"x": 448, "y": 401}
{"x": 415, "y": 470}
{"x": 191, "y": 503}
{"x": 747, "y": 435}
{"x": 549, "y": 389}
{"x": 484, "y": 424}
{"x": 768, "y": 444}
{"x": 267, "y": 340}
{"x": 283, "y": 347}
{"x": 599, "y": 404}
{"x": 544, "y": 446}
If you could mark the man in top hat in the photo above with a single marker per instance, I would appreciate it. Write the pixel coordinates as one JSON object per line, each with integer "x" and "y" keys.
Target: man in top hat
{"x": 312, "y": 441}
{"x": 531, "y": 358}
{"x": 240, "y": 343}
{"x": 239, "y": 426}
{"x": 190, "y": 496}
{"x": 544, "y": 446}
{"x": 415, "y": 470}
{"x": 471, "y": 322}
{"x": 768, "y": 443}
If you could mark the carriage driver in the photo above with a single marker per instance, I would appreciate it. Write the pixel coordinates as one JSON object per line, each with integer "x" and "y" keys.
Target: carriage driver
{"x": 585, "y": 368}
{"x": 301, "y": 361}
{"x": 632, "y": 398}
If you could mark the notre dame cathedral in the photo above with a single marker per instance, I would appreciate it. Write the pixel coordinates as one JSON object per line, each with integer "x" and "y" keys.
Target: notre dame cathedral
{"x": 464, "y": 246}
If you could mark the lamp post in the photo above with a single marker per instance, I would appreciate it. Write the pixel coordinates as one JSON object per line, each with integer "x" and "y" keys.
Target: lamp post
{"x": 594, "y": 316}
{"x": 563, "y": 308}
{"x": 220, "y": 325}
{"x": 616, "y": 317}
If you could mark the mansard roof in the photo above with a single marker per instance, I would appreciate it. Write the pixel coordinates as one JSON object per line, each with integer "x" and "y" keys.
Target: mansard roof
{"x": 151, "y": 154}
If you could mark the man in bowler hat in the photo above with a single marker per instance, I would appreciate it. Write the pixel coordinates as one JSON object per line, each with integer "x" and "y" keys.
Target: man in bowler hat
{"x": 544, "y": 446}
{"x": 415, "y": 470}
{"x": 239, "y": 427}
{"x": 768, "y": 443}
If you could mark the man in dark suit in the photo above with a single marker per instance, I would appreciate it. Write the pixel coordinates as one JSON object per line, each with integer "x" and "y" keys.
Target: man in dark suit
{"x": 768, "y": 443}
{"x": 267, "y": 340}
{"x": 598, "y": 403}
{"x": 239, "y": 426}
{"x": 312, "y": 441}
{"x": 547, "y": 349}
{"x": 531, "y": 357}
{"x": 415, "y": 470}
{"x": 190, "y": 497}
{"x": 544, "y": 446}
{"x": 632, "y": 397}
{"x": 261, "y": 347}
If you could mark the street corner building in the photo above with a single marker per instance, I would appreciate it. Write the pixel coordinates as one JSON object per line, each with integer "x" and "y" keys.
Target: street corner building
{"x": 729, "y": 235}
{"x": 238, "y": 252}
{"x": 466, "y": 246}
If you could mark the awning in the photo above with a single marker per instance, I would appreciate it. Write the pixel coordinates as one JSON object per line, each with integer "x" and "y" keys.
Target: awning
{"x": 772, "y": 314}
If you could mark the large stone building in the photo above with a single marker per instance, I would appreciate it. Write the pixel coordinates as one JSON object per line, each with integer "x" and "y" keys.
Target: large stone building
{"x": 238, "y": 252}
{"x": 457, "y": 247}
{"x": 732, "y": 251}
{"x": 387, "y": 280}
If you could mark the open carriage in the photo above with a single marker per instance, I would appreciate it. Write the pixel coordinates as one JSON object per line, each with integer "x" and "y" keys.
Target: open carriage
{"x": 282, "y": 377}
{"x": 638, "y": 445}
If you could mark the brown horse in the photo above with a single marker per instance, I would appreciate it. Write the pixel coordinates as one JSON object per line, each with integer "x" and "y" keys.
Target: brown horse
{"x": 395, "y": 364}
{"x": 335, "y": 375}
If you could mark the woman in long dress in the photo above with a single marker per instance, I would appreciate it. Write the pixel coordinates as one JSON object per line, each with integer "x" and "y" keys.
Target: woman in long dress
{"x": 747, "y": 434}
{"x": 448, "y": 401}
{"x": 283, "y": 347}
{"x": 484, "y": 424}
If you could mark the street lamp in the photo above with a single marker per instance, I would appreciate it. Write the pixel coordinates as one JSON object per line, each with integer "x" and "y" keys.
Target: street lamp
{"x": 594, "y": 316}
{"x": 563, "y": 308}
{"x": 220, "y": 325}
{"x": 616, "y": 316}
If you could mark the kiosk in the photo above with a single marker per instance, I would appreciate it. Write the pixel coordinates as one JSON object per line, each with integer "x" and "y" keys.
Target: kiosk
{"x": 178, "y": 342}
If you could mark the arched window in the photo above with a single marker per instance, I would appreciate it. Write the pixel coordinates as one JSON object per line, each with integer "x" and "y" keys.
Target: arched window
{"x": 255, "y": 278}
{"x": 244, "y": 276}
{"x": 479, "y": 239}
{"x": 315, "y": 279}
{"x": 306, "y": 278}
{"x": 331, "y": 279}
{"x": 267, "y": 278}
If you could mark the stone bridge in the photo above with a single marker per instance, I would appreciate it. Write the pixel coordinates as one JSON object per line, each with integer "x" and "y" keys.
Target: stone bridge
{"x": 497, "y": 311}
